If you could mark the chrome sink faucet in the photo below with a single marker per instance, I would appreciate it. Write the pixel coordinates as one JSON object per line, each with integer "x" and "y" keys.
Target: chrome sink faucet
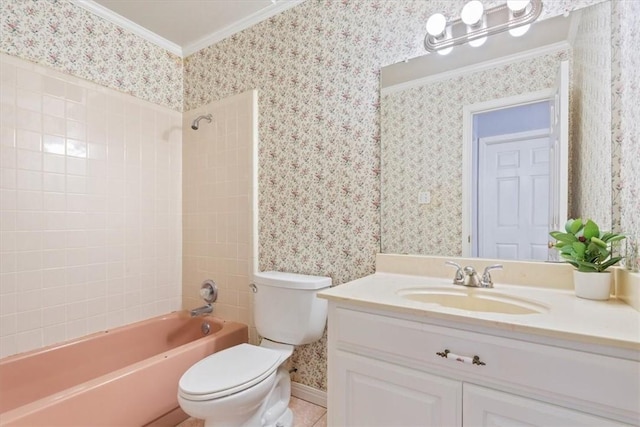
{"x": 471, "y": 277}
{"x": 468, "y": 276}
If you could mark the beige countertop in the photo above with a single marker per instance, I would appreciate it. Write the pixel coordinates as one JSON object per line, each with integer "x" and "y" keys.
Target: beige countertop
{"x": 611, "y": 323}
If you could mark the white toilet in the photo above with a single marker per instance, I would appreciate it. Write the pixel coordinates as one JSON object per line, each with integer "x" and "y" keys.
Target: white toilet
{"x": 247, "y": 385}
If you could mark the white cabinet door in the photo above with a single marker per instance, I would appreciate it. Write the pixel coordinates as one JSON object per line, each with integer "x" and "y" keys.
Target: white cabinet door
{"x": 483, "y": 407}
{"x": 370, "y": 393}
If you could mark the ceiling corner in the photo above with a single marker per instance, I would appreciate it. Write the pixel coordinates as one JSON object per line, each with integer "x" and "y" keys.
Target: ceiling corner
{"x": 238, "y": 26}
{"x": 129, "y": 25}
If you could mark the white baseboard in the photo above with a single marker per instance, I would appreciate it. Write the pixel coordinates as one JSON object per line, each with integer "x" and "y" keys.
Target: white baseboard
{"x": 310, "y": 394}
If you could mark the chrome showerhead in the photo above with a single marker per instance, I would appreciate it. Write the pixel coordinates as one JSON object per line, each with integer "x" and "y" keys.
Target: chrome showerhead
{"x": 196, "y": 122}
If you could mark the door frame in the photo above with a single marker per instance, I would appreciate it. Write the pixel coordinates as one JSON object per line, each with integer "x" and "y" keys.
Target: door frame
{"x": 468, "y": 111}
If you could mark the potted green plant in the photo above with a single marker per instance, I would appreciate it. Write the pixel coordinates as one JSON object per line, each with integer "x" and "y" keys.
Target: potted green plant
{"x": 589, "y": 250}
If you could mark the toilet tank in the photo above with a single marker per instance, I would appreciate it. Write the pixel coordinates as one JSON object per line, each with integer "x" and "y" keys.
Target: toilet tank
{"x": 286, "y": 308}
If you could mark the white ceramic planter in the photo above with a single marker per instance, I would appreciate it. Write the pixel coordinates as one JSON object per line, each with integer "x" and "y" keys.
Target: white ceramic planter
{"x": 595, "y": 286}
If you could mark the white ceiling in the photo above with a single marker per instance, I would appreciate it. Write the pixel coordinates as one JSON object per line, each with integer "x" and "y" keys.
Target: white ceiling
{"x": 185, "y": 26}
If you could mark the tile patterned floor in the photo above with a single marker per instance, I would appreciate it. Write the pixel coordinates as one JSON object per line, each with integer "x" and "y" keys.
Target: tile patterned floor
{"x": 305, "y": 414}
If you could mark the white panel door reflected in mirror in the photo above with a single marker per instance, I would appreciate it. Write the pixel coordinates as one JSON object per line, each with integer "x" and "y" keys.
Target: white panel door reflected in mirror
{"x": 510, "y": 191}
{"x": 515, "y": 164}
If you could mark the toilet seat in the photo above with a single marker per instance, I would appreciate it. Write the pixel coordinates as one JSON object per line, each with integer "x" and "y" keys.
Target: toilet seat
{"x": 228, "y": 371}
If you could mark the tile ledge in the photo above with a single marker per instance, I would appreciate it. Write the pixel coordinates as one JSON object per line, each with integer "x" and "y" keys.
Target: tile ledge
{"x": 628, "y": 287}
{"x": 554, "y": 275}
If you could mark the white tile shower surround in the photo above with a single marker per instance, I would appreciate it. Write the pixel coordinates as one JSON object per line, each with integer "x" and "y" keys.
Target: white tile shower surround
{"x": 90, "y": 205}
{"x": 305, "y": 414}
{"x": 217, "y": 215}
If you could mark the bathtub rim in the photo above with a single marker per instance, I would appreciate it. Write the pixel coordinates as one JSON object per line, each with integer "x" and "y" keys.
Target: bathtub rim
{"x": 15, "y": 414}
{"x": 93, "y": 335}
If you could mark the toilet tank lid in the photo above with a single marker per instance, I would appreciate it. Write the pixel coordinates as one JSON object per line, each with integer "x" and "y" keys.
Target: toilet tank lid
{"x": 291, "y": 280}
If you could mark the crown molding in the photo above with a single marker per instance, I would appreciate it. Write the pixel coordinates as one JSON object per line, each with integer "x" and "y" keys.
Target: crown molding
{"x": 528, "y": 54}
{"x": 121, "y": 21}
{"x": 238, "y": 26}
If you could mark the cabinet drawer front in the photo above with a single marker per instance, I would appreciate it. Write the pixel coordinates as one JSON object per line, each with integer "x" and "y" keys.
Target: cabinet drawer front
{"x": 587, "y": 380}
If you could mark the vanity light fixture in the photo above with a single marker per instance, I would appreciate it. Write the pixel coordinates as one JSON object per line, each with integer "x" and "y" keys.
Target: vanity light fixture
{"x": 445, "y": 51}
{"x": 437, "y": 29}
{"x": 476, "y": 24}
{"x": 518, "y": 7}
{"x": 473, "y": 16}
{"x": 436, "y": 26}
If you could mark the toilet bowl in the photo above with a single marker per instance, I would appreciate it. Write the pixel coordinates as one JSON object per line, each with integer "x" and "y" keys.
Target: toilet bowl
{"x": 229, "y": 388}
{"x": 248, "y": 385}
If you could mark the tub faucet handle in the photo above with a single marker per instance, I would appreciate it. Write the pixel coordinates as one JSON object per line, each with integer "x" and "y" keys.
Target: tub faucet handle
{"x": 209, "y": 291}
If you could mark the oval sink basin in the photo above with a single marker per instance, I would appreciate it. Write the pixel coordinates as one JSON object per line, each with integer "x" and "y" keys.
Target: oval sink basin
{"x": 473, "y": 299}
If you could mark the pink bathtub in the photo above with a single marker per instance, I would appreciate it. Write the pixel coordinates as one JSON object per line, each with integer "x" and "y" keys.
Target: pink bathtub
{"x": 127, "y": 376}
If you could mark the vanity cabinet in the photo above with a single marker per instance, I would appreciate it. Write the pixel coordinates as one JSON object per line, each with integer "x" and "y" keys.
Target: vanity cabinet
{"x": 372, "y": 392}
{"x": 386, "y": 369}
{"x": 490, "y": 408}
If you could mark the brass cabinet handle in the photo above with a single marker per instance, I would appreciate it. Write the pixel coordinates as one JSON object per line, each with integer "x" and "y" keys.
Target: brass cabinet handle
{"x": 475, "y": 360}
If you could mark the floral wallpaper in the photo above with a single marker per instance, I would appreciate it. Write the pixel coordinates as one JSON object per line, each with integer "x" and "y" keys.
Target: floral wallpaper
{"x": 625, "y": 117}
{"x": 423, "y": 151}
{"x": 316, "y": 67}
{"x": 591, "y": 116}
{"x": 68, "y": 38}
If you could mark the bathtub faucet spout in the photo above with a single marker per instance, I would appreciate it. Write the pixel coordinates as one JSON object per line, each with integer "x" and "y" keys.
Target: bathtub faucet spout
{"x": 205, "y": 309}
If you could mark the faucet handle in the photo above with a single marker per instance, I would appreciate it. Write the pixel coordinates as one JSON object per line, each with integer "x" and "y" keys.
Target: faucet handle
{"x": 459, "y": 277}
{"x": 209, "y": 291}
{"x": 455, "y": 264}
{"x": 486, "y": 281}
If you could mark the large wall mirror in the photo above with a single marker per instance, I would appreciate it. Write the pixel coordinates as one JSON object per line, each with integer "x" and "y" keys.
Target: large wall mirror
{"x": 484, "y": 150}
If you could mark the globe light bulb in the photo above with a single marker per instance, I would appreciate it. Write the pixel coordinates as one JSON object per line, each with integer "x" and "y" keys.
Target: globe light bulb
{"x": 445, "y": 51}
{"x": 518, "y": 6}
{"x": 436, "y": 24}
{"x": 477, "y": 42}
{"x": 519, "y": 31}
{"x": 472, "y": 13}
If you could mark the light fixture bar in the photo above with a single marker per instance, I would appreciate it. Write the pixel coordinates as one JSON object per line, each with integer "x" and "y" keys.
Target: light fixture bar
{"x": 498, "y": 20}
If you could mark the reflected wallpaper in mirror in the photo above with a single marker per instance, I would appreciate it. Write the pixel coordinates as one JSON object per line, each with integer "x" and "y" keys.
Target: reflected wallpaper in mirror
{"x": 422, "y": 126}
